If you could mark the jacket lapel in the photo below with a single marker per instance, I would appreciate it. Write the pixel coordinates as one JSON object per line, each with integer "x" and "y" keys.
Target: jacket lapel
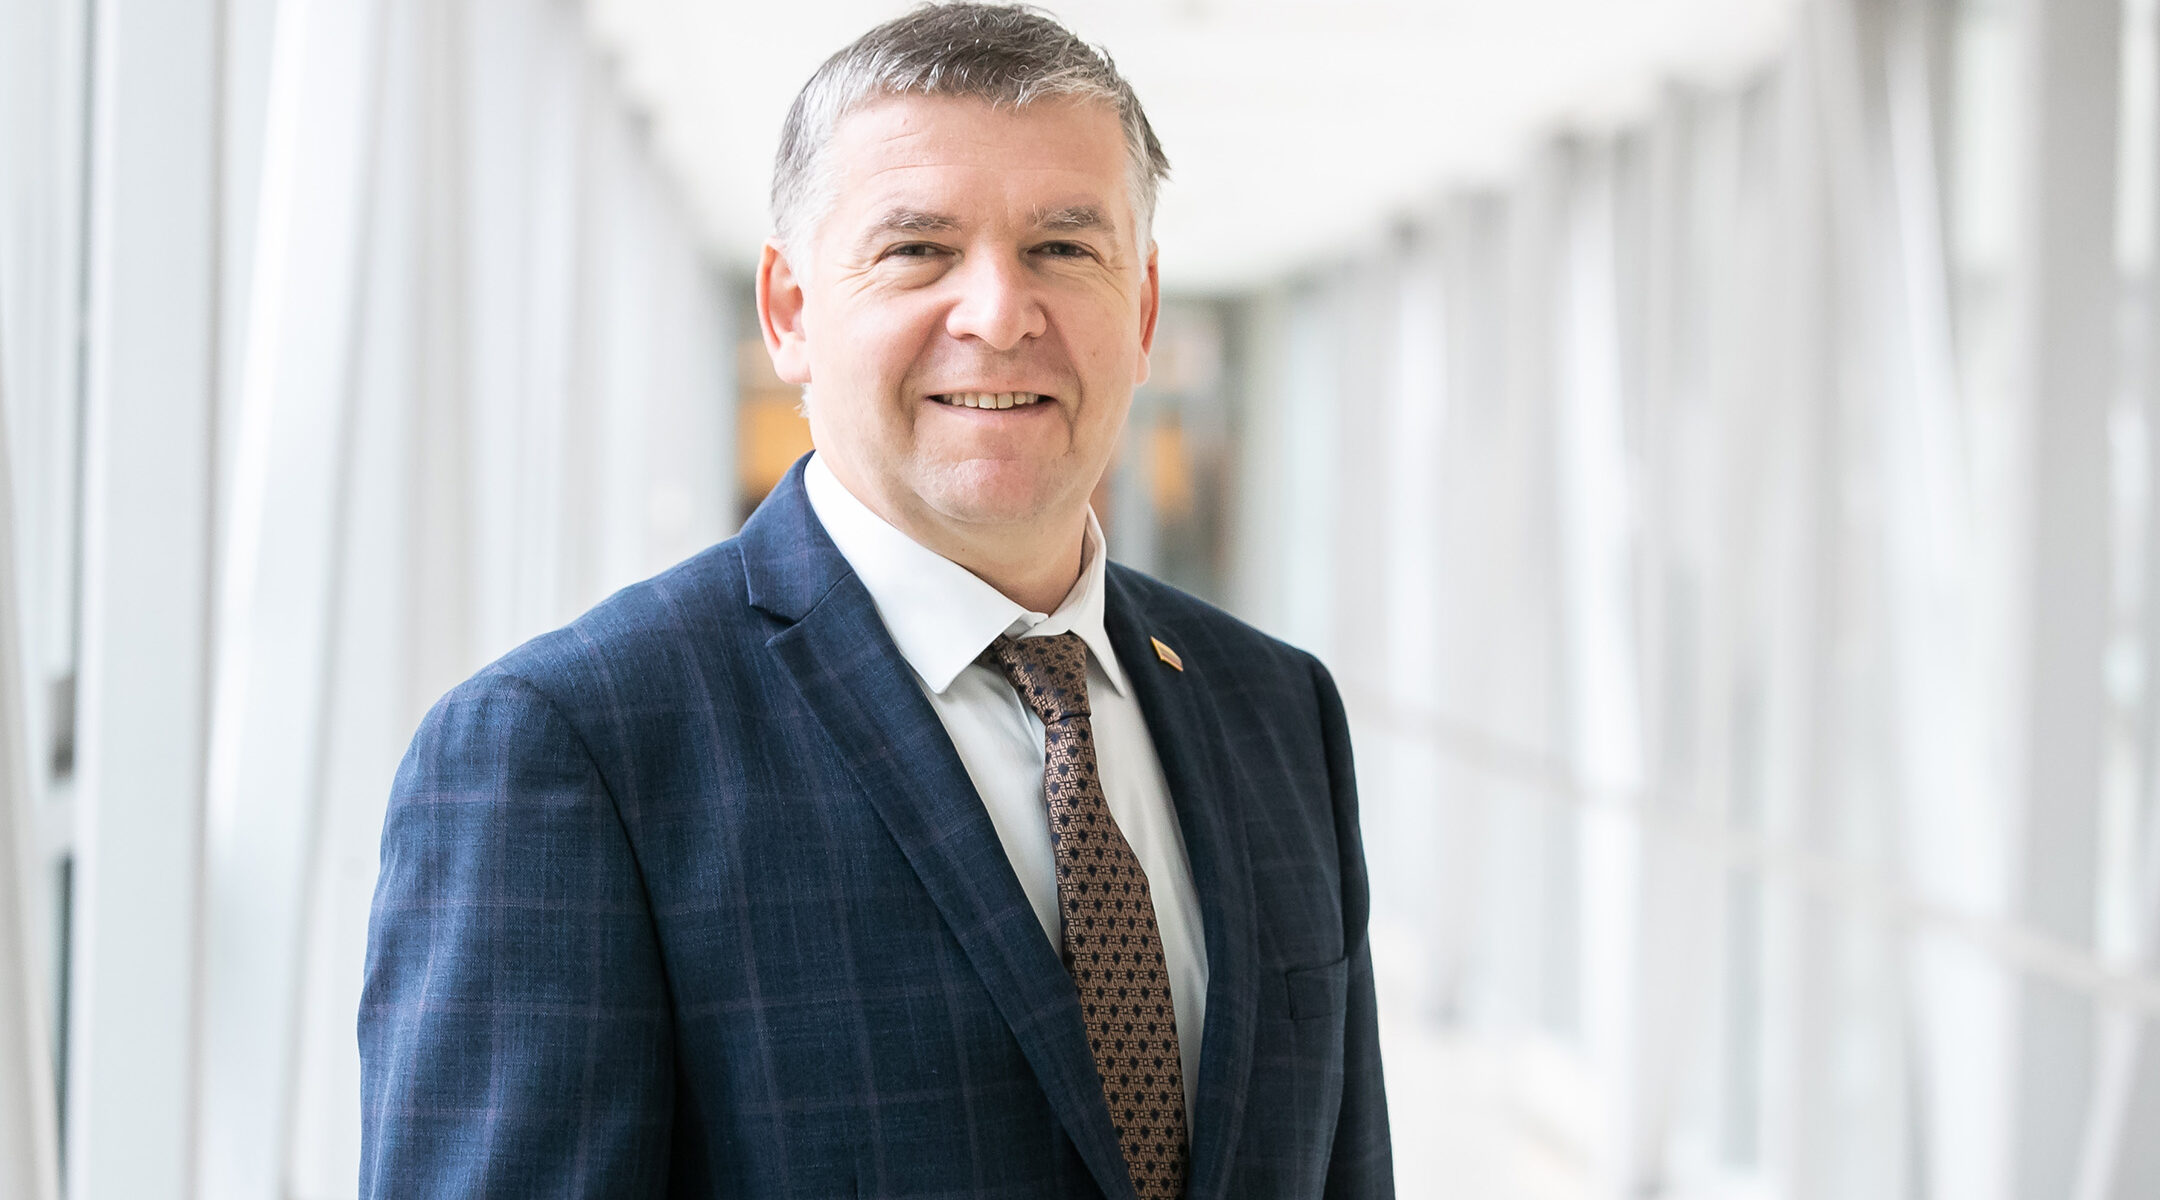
{"x": 1190, "y": 742}
{"x": 843, "y": 662}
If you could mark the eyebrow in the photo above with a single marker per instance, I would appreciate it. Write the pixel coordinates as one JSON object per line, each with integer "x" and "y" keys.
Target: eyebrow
{"x": 909, "y": 220}
{"x": 1073, "y": 218}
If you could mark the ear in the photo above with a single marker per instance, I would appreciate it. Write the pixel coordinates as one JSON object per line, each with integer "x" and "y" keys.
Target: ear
{"x": 780, "y": 315}
{"x": 1150, "y": 309}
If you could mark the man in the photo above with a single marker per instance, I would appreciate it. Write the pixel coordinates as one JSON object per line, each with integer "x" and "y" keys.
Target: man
{"x": 901, "y": 845}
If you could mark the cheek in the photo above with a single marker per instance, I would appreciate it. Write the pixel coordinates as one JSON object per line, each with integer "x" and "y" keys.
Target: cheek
{"x": 1106, "y": 332}
{"x": 1109, "y": 359}
{"x": 884, "y": 345}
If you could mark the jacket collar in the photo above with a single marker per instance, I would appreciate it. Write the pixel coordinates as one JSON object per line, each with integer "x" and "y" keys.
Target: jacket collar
{"x": 789, "y": 564}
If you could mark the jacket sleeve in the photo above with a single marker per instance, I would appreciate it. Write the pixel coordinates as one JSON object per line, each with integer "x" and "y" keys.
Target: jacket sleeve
{"x": 1362, "y": 1164}
{"x": 515, "y": 1034}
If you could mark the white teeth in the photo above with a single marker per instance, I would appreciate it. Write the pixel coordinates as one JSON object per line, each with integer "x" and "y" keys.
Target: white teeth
{"x": 989, "y": 399}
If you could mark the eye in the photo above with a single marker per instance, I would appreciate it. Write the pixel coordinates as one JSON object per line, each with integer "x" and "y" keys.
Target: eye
{"x": 1065, "y": 250}
{"x": 913, "y": 250}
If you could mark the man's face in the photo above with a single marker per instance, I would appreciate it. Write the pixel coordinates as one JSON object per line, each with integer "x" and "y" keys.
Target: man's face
{"x": 973, "y": 258}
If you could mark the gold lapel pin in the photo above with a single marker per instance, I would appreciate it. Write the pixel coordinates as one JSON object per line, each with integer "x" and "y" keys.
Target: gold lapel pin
{"x": 1168, "y": 655}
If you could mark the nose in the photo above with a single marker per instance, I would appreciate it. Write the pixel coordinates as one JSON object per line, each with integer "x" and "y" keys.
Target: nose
{"x": 997, "y": 304}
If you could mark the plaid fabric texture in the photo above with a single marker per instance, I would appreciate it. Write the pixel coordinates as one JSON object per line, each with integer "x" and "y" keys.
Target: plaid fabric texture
{"x": 694, "y": 898}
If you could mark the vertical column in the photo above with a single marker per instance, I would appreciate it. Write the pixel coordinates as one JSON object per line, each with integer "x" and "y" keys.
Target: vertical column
{"x": 2069, "y": 302}
{"x": 360, "y": 697}
{"x": 1954, "y": 809}
{"x": 2119, "y": 1158}
{"x": 1761, "y": 1003}
{"x": 1591, "y": 504}
{"x": 1413, "y": 598}
{"x": 26, "y": 1118}
{"x": 146, "y": 577}
{"x": 1464, "y": 263}
{"x": 1308, "y": 430}
{"x": 278, "y": 605}
{"x": 1259, "y": 329}
{"x": 43, "y": 124}
{"x": 1545, "y": 839}
{"x": 440, "y": 617}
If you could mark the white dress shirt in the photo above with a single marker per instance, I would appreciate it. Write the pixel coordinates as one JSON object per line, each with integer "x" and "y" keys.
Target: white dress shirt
{"x": 942, "y": 616}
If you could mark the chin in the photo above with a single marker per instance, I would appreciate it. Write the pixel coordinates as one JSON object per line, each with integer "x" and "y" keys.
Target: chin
{"x": 992, "y": 493}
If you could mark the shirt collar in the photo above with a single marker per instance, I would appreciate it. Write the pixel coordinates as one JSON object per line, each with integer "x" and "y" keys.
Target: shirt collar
{"x": 940, "y": 614}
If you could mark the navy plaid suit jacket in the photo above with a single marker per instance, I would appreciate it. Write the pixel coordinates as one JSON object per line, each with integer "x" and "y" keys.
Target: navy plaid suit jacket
{"x": 694, "y": 898}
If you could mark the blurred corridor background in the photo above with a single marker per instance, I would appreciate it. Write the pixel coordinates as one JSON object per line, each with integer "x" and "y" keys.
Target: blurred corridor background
{"x": 1713, "y": 442}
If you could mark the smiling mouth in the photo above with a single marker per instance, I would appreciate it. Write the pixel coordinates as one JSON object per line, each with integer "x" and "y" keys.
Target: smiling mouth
{"x": 989, "y": 399}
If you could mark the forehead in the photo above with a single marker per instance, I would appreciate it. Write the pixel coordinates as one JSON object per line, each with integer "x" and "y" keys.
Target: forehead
{"x": 967, "y": 157}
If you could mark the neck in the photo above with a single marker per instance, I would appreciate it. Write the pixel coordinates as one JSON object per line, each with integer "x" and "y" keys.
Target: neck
{"x": 1020, "y": 569}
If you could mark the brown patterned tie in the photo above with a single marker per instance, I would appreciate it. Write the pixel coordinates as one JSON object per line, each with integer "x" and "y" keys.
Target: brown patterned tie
{"x": 1111, "y": 944}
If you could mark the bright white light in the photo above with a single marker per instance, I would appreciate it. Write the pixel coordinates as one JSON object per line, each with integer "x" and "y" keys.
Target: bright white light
{"x": 1295, "y": 127}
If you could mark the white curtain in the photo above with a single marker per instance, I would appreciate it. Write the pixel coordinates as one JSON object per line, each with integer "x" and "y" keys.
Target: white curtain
{"x": 1733, "y": 537}
{"x": 523, "y": 401}
{"x": 472, "y": 372}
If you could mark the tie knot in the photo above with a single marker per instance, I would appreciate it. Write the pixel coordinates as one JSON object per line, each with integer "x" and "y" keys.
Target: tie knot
{"x": 1050, "y": 673}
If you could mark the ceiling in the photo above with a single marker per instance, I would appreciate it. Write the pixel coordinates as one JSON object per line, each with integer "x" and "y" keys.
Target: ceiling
{"x": 1295, "y": 128}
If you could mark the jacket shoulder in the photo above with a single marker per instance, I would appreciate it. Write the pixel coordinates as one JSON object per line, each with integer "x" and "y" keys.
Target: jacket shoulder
{"x": 640, "y": 640}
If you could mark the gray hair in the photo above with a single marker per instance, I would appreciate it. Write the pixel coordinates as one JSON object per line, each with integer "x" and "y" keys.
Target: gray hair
{"x": 1009, "y": 55}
